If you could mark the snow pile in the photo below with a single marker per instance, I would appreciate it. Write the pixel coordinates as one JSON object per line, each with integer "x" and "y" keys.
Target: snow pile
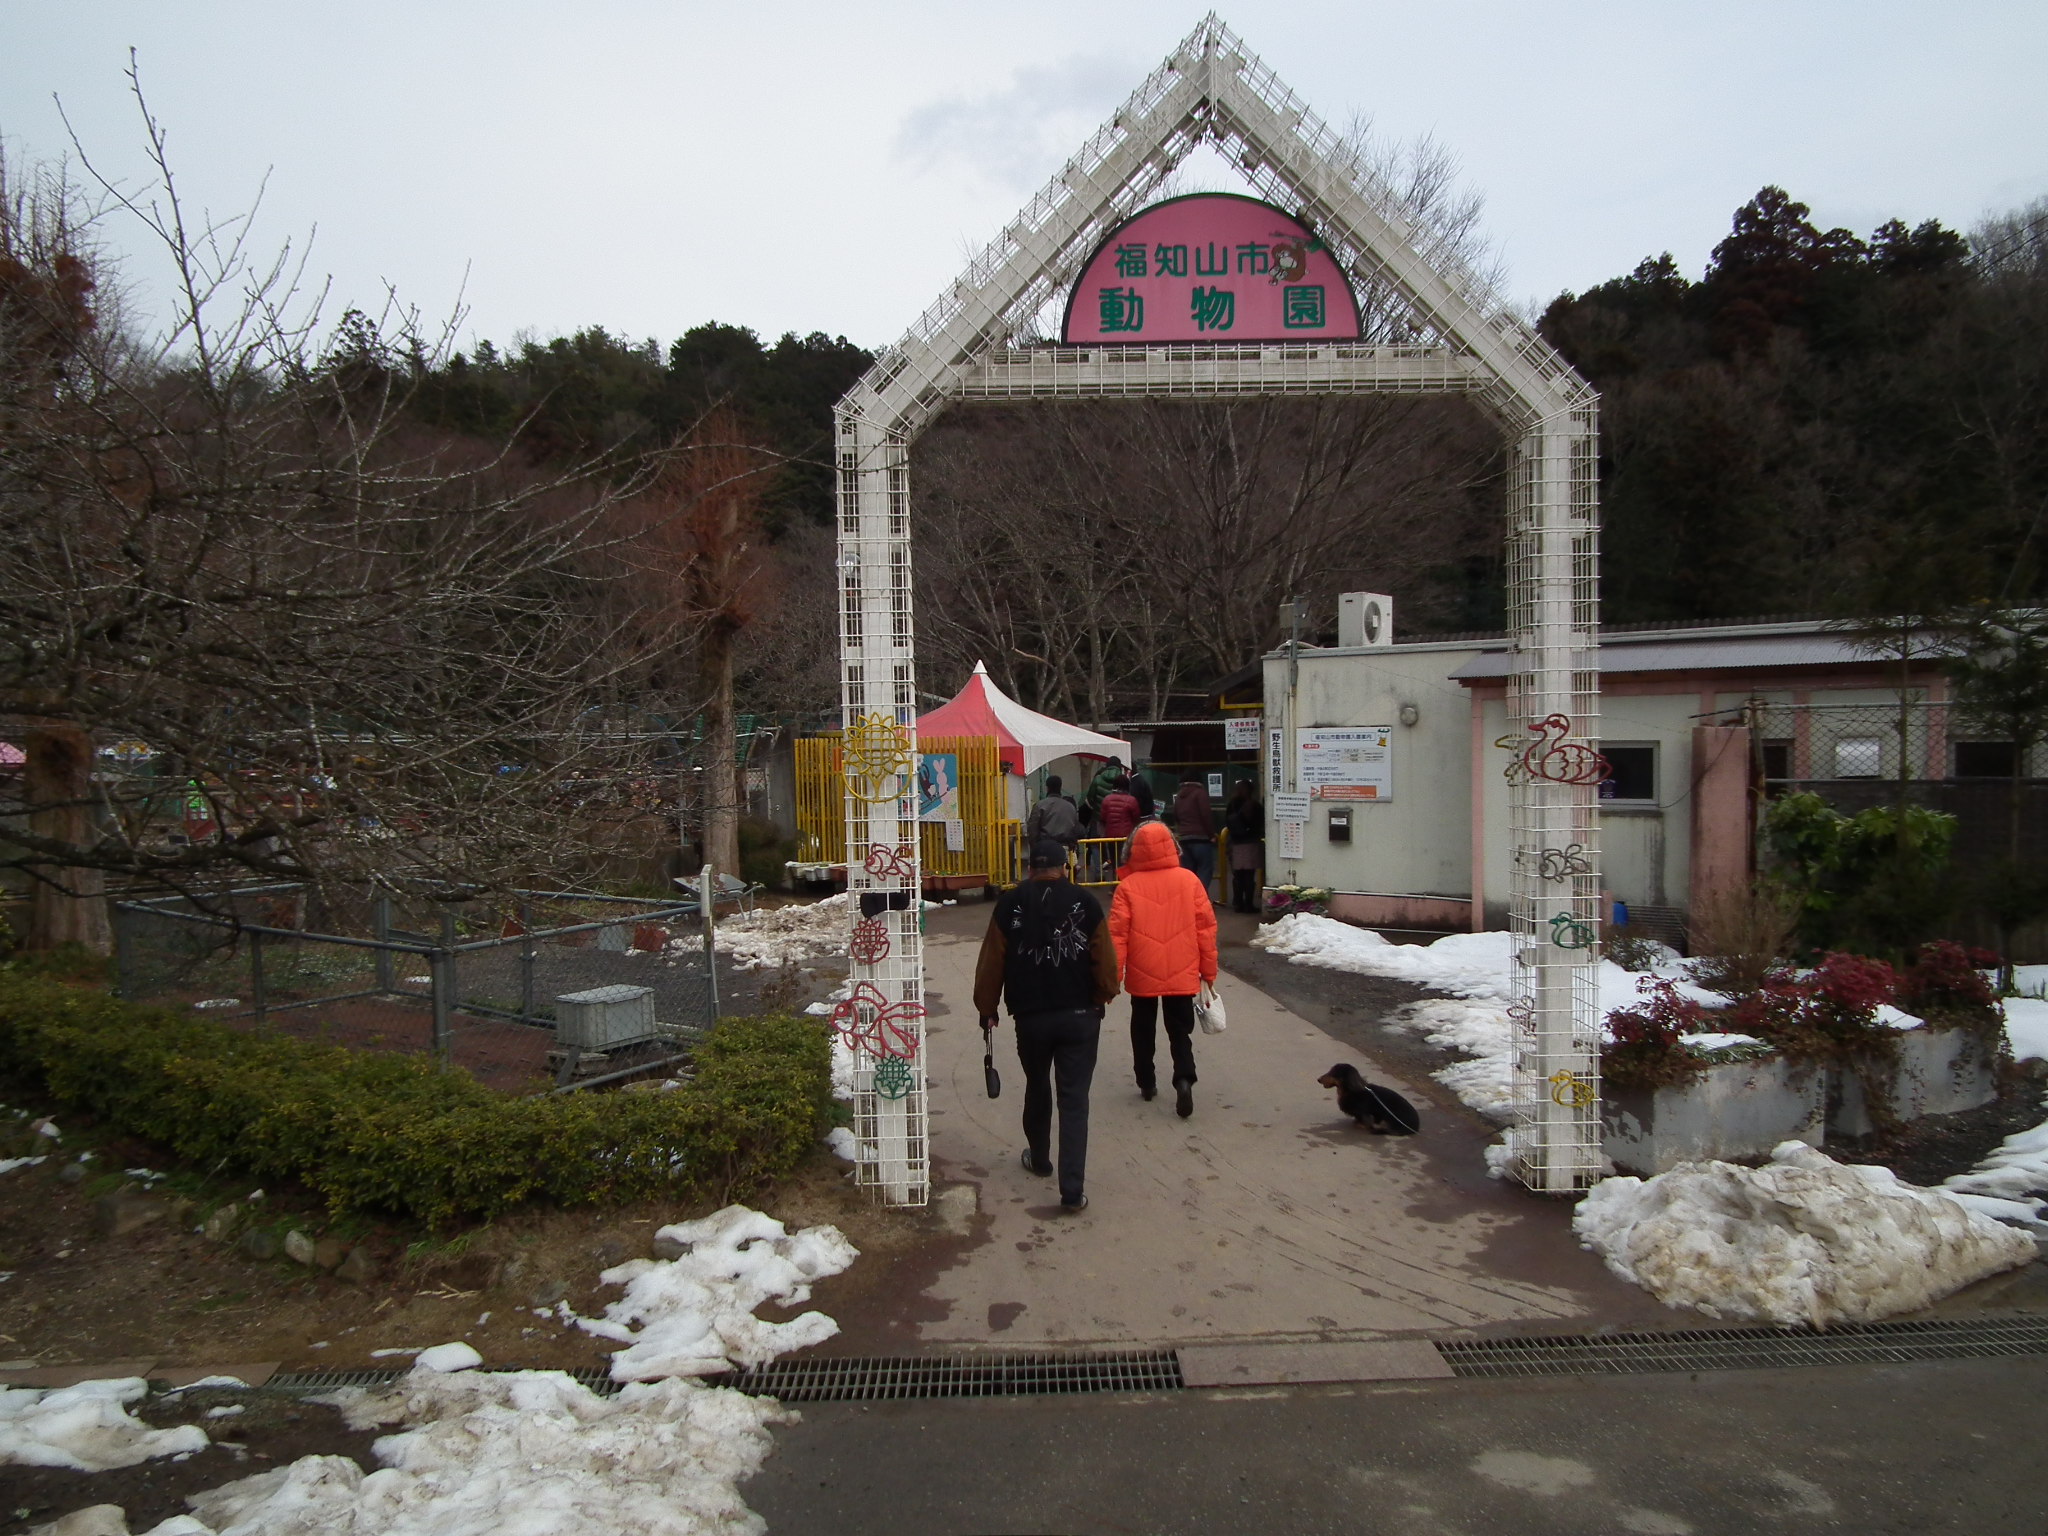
{"x": 2026, "y": 1025}
{"x": 86, "y": 1428}
{"x": 448, "y": 1357}
{"x": 694, "y": 1314}
{"x": 9, "y": 1164}
{"x": 1803, "y": 1240}
{"x": 2004, "y": 1184}
{"x": 525, "y": 1453}
{"x": 1477, "y": 970}
{"x": 1460, "y": 964}
{"x": 790, "y": 935}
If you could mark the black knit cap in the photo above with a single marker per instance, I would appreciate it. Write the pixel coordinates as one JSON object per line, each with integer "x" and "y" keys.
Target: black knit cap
{"x": 1048, "y": 853}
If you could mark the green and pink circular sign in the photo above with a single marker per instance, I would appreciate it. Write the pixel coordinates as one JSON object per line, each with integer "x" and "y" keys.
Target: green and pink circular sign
{"x": 1213, "y": 267}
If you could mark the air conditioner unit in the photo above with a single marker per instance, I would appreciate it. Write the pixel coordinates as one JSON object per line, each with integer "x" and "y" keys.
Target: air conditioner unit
{"x": 604, "y": 1017}
{"x": 1365, "y": 619}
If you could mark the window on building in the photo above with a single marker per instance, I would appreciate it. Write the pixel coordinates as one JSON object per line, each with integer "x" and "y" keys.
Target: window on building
{"x": 1985, "y": 759}
{"x": 1859, "y": 757}
{"x": 1777, "y": 757}
{"x": 1634, "y": 773}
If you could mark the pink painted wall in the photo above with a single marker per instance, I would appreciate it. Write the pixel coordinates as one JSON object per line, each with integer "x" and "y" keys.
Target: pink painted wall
{"x": 1211, "y": 268}
{"x": 1720, "y": 811}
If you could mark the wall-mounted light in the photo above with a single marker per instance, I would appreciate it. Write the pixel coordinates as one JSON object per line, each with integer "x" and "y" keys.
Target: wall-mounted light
{"x": 1410, "y": 714}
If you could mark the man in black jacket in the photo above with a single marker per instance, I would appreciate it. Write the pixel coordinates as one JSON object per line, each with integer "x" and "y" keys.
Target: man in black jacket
{"x": 1047, "y": 953}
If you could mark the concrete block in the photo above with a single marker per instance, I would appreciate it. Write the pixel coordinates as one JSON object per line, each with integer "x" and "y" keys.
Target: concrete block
{"x": 1739, "y": 1109}
{"x": 1237, "y": 1365}
{"x": 1940, "y": 1072}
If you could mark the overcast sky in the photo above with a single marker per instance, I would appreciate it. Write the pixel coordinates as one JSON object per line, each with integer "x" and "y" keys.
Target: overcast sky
{"x": 829, "y": 166}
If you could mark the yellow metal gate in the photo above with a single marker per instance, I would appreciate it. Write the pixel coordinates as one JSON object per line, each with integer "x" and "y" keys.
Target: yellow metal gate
{"x": 988, "y": 839}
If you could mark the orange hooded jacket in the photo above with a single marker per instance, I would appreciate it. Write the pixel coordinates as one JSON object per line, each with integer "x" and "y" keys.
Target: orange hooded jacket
{"x": 1161, "y": 921}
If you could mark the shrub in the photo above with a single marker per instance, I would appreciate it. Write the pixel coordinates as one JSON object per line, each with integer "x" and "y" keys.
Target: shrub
{"x": 1740, "y": 937}
{"x": 1945, "y": 983}
{"x": 375, "y": 1132}
{"x": 1876, "y": 881}
{"x": 1830, "y": 1015}
{"x": 1646, "y": 1050}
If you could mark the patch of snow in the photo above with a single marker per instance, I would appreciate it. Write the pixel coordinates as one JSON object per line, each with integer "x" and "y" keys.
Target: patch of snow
{"x": 2015, "y": 1171}
{"x": 9, "y": 1164}
{"x": 205, "y": 1383}
{"x": 86, "y": 1428}
{"x": 1718, "y": 1040}
{"x": 842, "y": 1068}
{"x": 219, "y": 1002}
{"x": 694, "y": 1315}
{"x": 2026, "y": 1024}
{"x": 1802, "y": 1240}
{"x": 791, "y": 935}
{"x": 1889, "y": 1017}
{"x": 527, "y": 1453}
{"x": 386, "y": 1354}
{"x": 843, "y": 1143}
{"x": 226, "y": 1411}
{"x": 448, "y": 1358}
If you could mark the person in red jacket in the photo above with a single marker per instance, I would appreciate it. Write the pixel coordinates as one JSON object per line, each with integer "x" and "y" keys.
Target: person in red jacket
{"x": 1118, "y": 812}
{"x": 1164, "y": 930}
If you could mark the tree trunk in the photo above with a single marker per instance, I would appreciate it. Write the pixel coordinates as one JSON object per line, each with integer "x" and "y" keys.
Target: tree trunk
{"x": 721, "y": 764}
{"x": 67, "y": 906}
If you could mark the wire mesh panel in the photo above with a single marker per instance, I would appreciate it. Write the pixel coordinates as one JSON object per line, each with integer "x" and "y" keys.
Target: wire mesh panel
{"x": 470, "y": 984}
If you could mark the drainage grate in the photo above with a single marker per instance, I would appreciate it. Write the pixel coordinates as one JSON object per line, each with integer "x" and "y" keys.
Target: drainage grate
{"x": 597, "y": 1378}
{"x": 992, "y": 1375}
{"x": 1725, "y": 1349}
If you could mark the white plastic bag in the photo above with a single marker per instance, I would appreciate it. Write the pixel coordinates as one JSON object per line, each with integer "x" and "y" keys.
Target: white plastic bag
{"x": 1209, "y": 1011}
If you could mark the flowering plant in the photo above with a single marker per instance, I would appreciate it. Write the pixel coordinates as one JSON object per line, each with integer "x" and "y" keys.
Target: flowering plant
{"x": 1284, "y": 899}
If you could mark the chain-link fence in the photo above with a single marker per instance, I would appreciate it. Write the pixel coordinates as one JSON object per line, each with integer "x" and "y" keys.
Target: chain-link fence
{"x": 551, "y": 990}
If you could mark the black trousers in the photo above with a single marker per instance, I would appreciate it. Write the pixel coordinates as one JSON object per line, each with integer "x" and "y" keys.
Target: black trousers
{"x": 1180, "y": 1031}
{"x": 1244, "y": 890}
{"x": 1059, "y": 1049}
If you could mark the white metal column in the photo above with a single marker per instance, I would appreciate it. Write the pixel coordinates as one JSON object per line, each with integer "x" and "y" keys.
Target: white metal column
{"x": 884, "y": 1017}
{"x": 1553, "y": 767}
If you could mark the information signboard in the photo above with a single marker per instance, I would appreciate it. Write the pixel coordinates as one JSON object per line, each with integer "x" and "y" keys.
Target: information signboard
{"x": 1276, "y": 761}
{"x": 1241, "y": 733}
{"x": 1290, "y": 807}
{"x": 1347, "y": 763}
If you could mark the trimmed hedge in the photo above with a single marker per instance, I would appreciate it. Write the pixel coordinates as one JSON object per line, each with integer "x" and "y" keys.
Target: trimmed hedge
{"x": 371, "y": 1131}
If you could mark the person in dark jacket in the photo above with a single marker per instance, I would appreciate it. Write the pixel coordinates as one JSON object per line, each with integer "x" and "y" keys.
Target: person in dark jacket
{"x": 1047, "y": 953}
{"x": 1195, "y": 825}
{"x": 1246, "y": 824}
{"x": 1056, "y": 816}
{"x": 1141, "y": 791}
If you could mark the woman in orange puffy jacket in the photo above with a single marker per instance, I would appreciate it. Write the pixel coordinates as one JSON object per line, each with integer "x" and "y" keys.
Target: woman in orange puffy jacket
{"x": 1164, "y": 929}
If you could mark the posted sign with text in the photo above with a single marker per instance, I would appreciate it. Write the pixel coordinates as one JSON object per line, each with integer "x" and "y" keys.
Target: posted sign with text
{"x": 1348, "y": 763}
{"x": 1212, "y": 267}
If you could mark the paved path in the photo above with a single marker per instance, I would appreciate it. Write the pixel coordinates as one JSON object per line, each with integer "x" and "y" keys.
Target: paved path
{"x": 1945, "y": 1446}
{"x": 1267, "y": 1215}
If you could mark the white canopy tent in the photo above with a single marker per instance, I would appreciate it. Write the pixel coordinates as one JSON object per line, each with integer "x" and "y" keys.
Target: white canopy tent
{"x": 1030, "y": 740}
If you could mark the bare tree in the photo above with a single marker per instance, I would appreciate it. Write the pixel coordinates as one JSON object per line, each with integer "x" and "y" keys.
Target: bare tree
{"x": 362, "y": 647}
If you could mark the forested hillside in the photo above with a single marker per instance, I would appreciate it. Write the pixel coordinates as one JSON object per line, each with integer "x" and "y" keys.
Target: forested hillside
{"x": 1822, "y": 423}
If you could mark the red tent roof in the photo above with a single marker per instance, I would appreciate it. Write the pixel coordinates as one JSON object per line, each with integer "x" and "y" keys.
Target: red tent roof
{"x": 1030, "y": 740}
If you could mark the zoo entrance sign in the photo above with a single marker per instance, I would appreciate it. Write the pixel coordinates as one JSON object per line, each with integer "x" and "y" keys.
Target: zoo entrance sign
{"x": 1212, "y": 267}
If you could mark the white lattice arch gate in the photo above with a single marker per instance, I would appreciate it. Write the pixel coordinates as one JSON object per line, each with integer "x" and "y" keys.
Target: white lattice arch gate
{"x": 965, "y": 348}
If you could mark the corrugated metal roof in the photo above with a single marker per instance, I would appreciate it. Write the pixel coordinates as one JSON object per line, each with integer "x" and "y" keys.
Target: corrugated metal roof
{"x": 1707, "y": 653}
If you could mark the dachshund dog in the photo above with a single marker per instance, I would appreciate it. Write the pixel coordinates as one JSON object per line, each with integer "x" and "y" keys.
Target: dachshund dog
{"x": 1379, "y": 1110}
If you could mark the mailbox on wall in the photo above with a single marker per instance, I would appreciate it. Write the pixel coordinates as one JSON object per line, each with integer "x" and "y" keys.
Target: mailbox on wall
{"x": 1340, "y": 823}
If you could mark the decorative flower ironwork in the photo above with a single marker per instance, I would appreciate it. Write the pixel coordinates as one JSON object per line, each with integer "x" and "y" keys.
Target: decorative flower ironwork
{"x": 876, "y": 751}
{"x": 870, "y": 944}
{"x": 871, "y": 1023}
{"x": 892, "y": 1077}
{"x": 1558, "y": 865}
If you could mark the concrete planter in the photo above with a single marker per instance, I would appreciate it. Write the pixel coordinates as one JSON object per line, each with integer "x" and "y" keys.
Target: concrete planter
{"x": 1739, "y": 1109}
{"x": 1940, "y": 1072}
